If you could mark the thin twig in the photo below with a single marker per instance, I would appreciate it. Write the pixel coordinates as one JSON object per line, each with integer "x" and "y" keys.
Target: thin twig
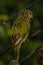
{"x": 4, "y": 51}
{"x": 34, "y": 34}
{"x": 3, "y": 3}
{"x": 31, "y": 54}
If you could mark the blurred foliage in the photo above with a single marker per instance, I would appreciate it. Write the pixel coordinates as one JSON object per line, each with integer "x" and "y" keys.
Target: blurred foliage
{"x": 10, "y": 8}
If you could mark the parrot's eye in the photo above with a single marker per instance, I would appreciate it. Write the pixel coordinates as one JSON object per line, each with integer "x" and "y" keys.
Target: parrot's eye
{"x": 31, "y": 16}
{"x": 30, "y": 13}
{"x": 31, "y": 19}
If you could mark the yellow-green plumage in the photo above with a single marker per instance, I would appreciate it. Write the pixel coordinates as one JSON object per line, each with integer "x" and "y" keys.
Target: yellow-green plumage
{"x": 20, "y": 30}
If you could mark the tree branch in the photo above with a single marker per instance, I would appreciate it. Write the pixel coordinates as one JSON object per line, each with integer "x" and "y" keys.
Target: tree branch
{"x": 31, "y": 54}
{"x": 4, "y": 51}
{"x": 3, "y": 3}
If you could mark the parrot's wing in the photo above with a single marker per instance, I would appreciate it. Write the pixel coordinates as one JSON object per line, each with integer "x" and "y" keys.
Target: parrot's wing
{"x": 16, "y": 40}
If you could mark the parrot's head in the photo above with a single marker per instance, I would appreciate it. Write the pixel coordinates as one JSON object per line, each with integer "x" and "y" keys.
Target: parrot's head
{"x": 27, "y": 14}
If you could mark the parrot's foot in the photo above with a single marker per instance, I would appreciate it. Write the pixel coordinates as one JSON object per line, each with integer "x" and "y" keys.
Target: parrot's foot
{"x": 14, "y": 62}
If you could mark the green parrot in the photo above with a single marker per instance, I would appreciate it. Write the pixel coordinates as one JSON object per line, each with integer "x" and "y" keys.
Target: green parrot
{"x": 20, "y": 30}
